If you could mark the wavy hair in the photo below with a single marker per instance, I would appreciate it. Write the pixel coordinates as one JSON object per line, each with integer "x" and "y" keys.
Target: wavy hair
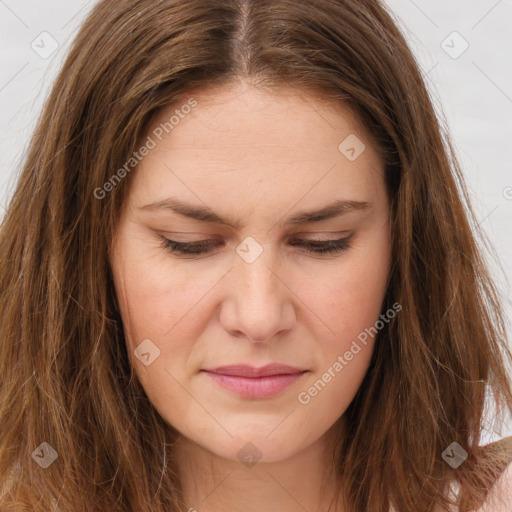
{"x": 65, "y": 377}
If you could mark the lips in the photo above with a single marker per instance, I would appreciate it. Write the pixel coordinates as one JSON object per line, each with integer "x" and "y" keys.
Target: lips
{"x": 250, "y": 371}
{"x": 255, "y": 383}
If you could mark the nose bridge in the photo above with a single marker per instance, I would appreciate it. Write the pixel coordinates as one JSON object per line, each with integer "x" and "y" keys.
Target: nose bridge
{"x": 258, "y": 282}
{"x": 258, "y": 295}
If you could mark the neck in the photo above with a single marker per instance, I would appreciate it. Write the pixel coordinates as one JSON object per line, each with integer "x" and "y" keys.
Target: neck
{"x": 304, "y": 481}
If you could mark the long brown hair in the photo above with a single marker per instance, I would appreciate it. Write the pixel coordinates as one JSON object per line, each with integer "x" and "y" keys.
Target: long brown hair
{"x": 64, "y": 372}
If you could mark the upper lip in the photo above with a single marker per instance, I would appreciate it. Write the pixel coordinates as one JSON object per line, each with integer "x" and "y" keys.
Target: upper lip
{"x": 242, "y": 370}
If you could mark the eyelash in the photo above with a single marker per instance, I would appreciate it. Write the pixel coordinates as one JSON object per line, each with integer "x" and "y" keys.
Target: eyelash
{"x": 204, "y": 247}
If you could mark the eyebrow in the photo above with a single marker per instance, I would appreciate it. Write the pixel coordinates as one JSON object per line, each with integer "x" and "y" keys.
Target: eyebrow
{"x": 201, "y": 213}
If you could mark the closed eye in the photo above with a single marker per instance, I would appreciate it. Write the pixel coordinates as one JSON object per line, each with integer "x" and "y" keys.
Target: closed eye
{"x": 203, "y": 247}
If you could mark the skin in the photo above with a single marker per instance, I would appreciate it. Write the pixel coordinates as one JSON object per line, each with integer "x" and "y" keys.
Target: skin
{"x": 257, "y": 157}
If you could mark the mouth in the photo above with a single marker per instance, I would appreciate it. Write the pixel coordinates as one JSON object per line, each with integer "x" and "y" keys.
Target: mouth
{"x": 249, "y": 382}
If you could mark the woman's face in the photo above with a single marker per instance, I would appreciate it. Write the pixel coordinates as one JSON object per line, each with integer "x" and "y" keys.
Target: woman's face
{"x": 246, "y": 169}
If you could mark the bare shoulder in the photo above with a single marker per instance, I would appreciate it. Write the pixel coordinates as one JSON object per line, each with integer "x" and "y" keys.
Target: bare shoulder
{"x": 500, "y": 496}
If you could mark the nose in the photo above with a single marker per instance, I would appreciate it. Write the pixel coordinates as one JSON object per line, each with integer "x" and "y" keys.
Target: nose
{"x": 260, "y": 303}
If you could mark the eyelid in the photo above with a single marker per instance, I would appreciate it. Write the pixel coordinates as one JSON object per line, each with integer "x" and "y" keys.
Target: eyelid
{"x": 320, "y": 236}
{"x": 323, "y": 236}
{"x": 347, "y": 236}
{"x": 317, "y": 247}
{"x": 187, "y": 237}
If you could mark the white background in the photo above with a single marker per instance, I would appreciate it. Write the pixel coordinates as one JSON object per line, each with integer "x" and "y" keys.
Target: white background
{"x": 472, "y": 93}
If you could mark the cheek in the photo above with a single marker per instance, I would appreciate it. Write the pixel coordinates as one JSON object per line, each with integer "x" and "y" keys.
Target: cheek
{"x": 349, "y": 303}
{"x": 172, "y": 304}
{"x": 349, "y": 297}
{"x": 157, "y": 296}
{"x": 153, "y": 293}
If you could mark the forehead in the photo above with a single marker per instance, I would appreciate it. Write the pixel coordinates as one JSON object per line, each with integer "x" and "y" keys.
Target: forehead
{"x": 243, "y": 114}
{"x": 258, "y": 144}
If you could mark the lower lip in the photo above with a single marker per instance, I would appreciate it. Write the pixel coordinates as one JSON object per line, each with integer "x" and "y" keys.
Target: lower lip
{"x": 255, "y": 387}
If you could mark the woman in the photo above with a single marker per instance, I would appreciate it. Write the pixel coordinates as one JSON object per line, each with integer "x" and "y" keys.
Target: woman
{"x": 238, "y": 271}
